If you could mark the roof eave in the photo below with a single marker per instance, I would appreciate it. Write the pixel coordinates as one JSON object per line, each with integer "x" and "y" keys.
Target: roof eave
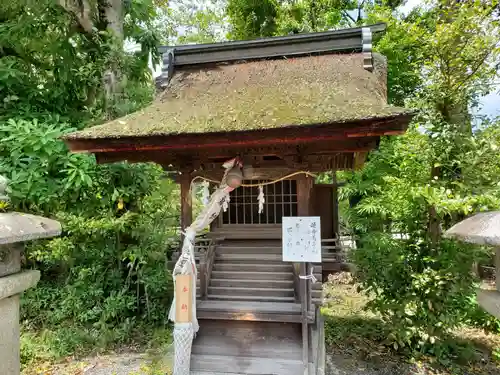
{"x": 336, "y": 41}
{"x": 391, "y": 125}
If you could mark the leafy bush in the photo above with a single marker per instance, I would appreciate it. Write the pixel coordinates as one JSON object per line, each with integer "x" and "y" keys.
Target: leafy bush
{"x": 106, "y": 273}
{"x": 418, "y": 290}
{"x": 108, "y": 269}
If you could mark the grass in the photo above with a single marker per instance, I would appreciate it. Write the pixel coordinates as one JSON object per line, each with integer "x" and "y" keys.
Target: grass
{"x": 357, "y": 336}
{"x": 63, "y": 350}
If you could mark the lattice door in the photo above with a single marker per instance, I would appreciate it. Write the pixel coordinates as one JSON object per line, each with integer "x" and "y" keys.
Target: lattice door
{"x": 280, "y": 200}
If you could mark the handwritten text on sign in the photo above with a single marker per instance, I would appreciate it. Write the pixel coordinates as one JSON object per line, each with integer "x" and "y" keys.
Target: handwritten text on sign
{"x": 302, "y": 239}
{"x": 183, "y": 298}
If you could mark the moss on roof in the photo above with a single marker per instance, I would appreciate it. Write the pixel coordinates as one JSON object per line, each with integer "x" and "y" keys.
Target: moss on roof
{"x": 258, "y": 95}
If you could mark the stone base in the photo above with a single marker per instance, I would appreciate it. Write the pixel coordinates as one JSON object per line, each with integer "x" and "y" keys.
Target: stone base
{"x": 10, "y": 259}
{"x": 15, "y": 229}
{"x": 9, "y": 336}
{"x": 490, "y": 301}
{"x": 10, "y": 288}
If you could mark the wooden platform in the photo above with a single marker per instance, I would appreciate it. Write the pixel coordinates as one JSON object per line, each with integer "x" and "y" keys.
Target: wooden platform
{"x": 249, "y": 311}
{"x": 242, "y": 347}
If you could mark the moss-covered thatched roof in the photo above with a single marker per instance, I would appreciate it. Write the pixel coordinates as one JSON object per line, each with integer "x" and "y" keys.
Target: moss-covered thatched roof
{"x": 258, "y": 95}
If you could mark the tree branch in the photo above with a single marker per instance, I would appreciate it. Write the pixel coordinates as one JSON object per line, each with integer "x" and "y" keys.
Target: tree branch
{"x": 81, "y": 11}
{"x": 353, "y": 21}
{"x": 360, "y": 7}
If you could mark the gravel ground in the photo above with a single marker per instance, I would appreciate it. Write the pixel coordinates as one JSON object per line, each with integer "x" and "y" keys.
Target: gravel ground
{"x": 134, "y": 364}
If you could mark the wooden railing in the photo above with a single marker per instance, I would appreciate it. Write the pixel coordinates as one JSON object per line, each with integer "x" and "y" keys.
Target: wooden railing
{"x": 207, "y": 255}
{"x": 296, "y": 281}
{"x": 332, "y": 251}
{"x": 206, "y": 248}
{"x": 204, "y": 255}
{"x": 303, "y": 289}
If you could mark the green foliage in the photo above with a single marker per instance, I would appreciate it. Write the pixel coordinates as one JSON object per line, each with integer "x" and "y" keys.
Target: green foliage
{"x": 443, "y": 169}
{"x": 418, "y": 290}
{"x": 402, "y": 46}
{"x": 40, "y": 179}
{"x": 252, "y": 19}
{"x": 108, "y": 270}
{"x": 395, "y": 188}
{"x": 106, "y": 275}
{"x": 189, "y": 21}
{"x": 49, "y": 63}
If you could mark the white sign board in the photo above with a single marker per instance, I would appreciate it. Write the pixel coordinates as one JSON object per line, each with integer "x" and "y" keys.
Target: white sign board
{"x": 302, "y": 239}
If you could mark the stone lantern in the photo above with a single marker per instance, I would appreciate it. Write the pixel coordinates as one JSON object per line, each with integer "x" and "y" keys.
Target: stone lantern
{"x": 483, "y": 229}
{"x": 15, "y": 229}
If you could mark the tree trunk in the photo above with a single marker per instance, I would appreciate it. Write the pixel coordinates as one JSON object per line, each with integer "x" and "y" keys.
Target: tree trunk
{"x": 434, "y": 225}
{"x": 112, "y": 78}
{"x": 82, "y": 11}
{"x": 100, "y": 15}
{"x": 114, "y": 18}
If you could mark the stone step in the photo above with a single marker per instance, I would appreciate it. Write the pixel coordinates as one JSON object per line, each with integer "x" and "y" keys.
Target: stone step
{"x": 249, "y": 275}
{"x": 250, "y": 298}
{"x": 280, "y": 284}
{"x": 245, "y": 365}
{"x": 253, "y": 267}
{"x": 249, "y": 258}
{"x": 249, "y": 291}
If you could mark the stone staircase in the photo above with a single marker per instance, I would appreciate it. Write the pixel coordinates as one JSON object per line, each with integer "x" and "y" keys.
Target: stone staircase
{"x": 251, "y": 271}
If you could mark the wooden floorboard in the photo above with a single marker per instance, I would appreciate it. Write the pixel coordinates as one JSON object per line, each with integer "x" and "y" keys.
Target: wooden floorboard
{"x": 249, "y": 339}
{"x": 245, "y": 365}
{"x": 255, "y": 311}
{"x": 249, "y": 306}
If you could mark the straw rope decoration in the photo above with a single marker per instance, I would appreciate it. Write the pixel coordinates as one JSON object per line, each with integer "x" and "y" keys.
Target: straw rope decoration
{"x": 257, "y": 184}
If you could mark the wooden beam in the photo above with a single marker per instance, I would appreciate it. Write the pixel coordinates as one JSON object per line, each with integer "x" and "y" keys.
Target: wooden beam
{"x": 186, "y": 200}
{"x": 315, "y": 150}
{"x": 273, "y": 136}
{"x": 312, "y": 163}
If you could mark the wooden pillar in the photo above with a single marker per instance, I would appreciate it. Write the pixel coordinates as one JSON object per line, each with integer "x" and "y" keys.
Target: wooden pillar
{"x": 336, "y": 217}
{"x": 304, "y": 190}
{"x": 186, "y": 200}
